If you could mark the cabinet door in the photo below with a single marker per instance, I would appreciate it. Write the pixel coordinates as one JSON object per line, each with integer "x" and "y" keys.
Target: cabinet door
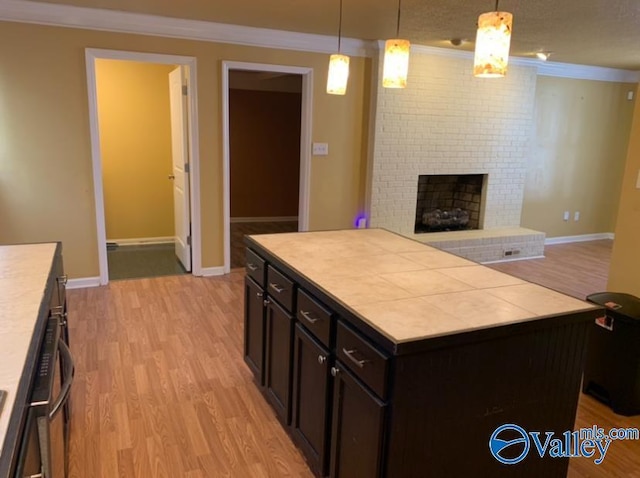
{"x": 358, "y": 421}
{"x": 311, "y": 400}
{"x": 279, "y": 341}
{"x": 254, "y": 323}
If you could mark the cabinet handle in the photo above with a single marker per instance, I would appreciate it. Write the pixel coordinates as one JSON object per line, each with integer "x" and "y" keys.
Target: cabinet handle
{"x": 307, "y": 315}
{"x": 266, "y": 302}
{"x": 276, "y": 287}
{"x": 58, "y": 311}
{"x": 252, "y": 267}
{"x": 350, "y": 353}
{"x": 335, "y": 371}
{"x": 322, "y": 359}
{"x": 258, "y": 294}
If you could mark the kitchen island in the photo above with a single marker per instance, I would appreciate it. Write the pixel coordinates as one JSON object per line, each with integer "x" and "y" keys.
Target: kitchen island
{"x": 386, "y": 357}
{"x": 31, "y": 288}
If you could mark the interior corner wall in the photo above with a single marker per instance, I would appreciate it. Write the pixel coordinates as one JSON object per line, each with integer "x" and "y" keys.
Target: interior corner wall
{"x": 577, "y": 161}
{"x": 264, "y": 140}
{"x": 625, "y": 259}
{"x": 448, "y": 122}
{"x": 135, "y": 143}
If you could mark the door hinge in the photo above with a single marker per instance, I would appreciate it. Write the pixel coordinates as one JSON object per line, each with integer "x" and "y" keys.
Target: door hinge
{"x": 187, "y": 168}
{"x": 188, "y": 240}
{"x": 185, "y": 90}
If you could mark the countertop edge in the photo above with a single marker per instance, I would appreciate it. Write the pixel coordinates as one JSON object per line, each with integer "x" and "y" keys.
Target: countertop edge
{"x": 11, "y": 444}
{"x": 426, "y": 343}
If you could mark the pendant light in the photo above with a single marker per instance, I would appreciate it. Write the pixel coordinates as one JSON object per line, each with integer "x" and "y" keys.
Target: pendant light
{"x": 492, "y": 44}
{"x": 338, "y": 67}
{"x": 396, "y": 59}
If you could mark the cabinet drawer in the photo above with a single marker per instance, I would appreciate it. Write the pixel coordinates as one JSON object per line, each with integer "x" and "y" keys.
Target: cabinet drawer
{"x": 255, "y": 267}
{"x": 314, "y": 316}
{"x": 362, "y": 359}
{"x": 280, "y": 288}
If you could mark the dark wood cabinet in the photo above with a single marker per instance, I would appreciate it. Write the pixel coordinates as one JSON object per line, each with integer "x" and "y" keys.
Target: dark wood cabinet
{"x": 359, "y": 404}
{"x": 358, "y": 427}
{"x": 311, "y": 397}
{"x": 278, "y": 363}
{"x": 254, "y": 328}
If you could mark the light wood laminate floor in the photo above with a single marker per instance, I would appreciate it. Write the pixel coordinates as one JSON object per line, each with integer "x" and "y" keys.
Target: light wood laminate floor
{"x": 162, "y": 391}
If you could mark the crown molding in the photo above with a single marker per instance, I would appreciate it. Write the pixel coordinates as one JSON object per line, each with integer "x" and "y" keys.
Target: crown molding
{"x": 586, "y": 72}
{"x": 125, "y": 22}
{"x": 544, "y": 68}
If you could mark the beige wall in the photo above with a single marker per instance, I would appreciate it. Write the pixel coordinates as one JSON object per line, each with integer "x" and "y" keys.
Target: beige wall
{"x": 46, "y": 188}
{"x": 135, "y": 142}
{"x": 624, "y": 275}
{"x": 581, "y": 133}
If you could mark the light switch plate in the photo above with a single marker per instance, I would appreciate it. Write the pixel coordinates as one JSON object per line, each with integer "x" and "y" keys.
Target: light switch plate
{"x": 320, "y": 149}
{"x": 638, "y": 181}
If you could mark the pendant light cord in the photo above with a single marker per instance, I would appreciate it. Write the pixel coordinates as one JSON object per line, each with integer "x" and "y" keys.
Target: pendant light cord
{"x": 398, "y": 26}
{"x": 497, "y": 1}
{"x": 340, "y": 28}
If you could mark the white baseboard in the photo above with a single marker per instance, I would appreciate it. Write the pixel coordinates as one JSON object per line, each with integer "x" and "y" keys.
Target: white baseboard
{"x": 212, "y": 271}
{"x": 138, "y": 241}
{"x": 83, "y": 282}
{"x": 514, "y": 259}
{"x": 264, "y": 219}
{"x": 579, "y": 238}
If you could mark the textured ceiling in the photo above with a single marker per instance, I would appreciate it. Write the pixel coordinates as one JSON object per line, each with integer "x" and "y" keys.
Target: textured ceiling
{"x": 589, "y": 32}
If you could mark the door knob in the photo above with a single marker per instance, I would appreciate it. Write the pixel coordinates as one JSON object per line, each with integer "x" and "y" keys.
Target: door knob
{"x": 171, "y": 176}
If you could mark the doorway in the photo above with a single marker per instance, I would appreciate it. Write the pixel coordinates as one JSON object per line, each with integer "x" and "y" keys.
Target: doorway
{"x": 145, "y": 164}
{"x": 267, "y": 149}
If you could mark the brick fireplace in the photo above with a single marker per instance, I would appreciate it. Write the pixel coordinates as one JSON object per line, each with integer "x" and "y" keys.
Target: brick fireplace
{"x": 448, "y": 123}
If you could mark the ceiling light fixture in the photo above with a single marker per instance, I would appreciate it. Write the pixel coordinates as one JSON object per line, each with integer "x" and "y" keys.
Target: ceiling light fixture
{"x": 543, "y": 55}
{"x": 492, "y": 44}
{"x": 396, "y": 59}
{"x": 338, "y": 67}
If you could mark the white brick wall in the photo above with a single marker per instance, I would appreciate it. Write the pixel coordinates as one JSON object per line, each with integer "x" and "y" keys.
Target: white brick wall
{"x": 448, "y": 122}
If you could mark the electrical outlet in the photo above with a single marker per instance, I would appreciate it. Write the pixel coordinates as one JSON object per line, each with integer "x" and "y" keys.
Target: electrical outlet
{"x": 320, "y": 149}
{"x": 566, "y": 216}
{"x": 576, "y": 216}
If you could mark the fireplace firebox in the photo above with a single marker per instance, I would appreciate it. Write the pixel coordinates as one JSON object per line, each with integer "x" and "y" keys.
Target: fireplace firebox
{"x": 449, "y": 202}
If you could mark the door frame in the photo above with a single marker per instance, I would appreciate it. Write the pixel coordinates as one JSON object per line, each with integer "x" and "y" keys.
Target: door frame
{"x": 305, "y": 143}
{"x": 93, "y": 54}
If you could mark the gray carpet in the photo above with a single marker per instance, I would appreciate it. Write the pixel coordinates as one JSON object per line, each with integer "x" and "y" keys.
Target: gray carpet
{"x": 134, "y": 262}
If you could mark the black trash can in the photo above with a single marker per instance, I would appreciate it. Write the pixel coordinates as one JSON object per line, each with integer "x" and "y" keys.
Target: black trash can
{"x": 612, "y": 368}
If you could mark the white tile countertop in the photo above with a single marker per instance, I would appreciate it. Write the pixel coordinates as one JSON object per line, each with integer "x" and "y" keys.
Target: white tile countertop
{"x": 409, "y": 291}
{"x": 24, "y": 270}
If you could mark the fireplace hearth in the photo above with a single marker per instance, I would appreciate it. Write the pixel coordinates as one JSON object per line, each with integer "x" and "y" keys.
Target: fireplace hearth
{"x": 449, "y": 202}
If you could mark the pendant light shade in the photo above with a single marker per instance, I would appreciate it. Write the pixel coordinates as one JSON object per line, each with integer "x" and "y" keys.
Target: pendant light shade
{"x": 396, "y": 63}
{"x": 338, "y": 74}
{"x": 396, "y": 59}
{"x": 492, "y": 44}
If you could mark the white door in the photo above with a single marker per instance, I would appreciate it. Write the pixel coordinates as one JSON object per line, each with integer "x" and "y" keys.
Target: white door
{"x": 180, "y": 175}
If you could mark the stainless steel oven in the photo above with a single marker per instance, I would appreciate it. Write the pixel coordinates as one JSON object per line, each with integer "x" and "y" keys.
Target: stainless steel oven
{"x": 45, "y": 445}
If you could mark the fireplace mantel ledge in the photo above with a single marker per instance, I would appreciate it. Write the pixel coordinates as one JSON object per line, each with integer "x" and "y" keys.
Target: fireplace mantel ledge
{"x": 488, "y": 245}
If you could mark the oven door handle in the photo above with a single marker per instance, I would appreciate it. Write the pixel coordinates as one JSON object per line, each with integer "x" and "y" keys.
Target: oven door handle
{"x": 69, "y": 370}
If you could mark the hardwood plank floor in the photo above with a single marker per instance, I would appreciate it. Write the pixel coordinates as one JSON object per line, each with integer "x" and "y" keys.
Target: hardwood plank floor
{"x": 162, "y": 391}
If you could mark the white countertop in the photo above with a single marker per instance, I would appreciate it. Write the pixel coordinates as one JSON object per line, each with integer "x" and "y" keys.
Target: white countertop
{"x": 24, "y": 270}
{"x": 410, "y": 291}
